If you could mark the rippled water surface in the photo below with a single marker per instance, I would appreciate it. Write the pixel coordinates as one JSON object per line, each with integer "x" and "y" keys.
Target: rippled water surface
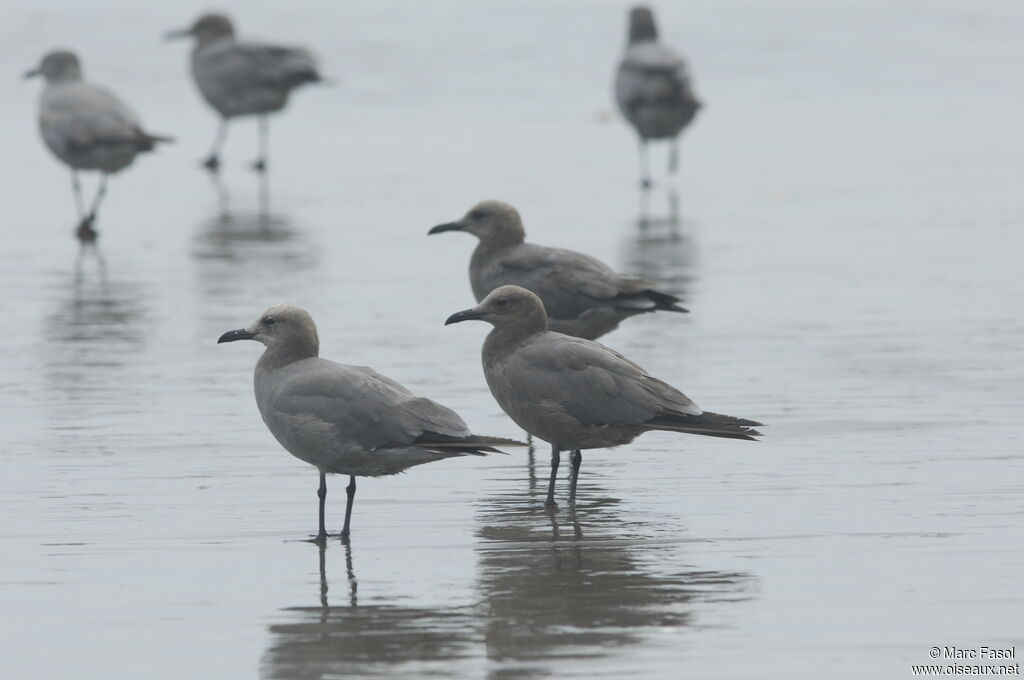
{"x": 846, "y": 230}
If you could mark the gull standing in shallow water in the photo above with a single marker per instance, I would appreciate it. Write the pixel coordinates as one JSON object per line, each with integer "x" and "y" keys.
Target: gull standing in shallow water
{"x": 576, "y": 394}
{"x": 347, "y": 420}
{"x": 243, "y": 78}
{"x": 582, "y": 295}
{"x": 653, "y": 89}
{"x": 88, "y": 128}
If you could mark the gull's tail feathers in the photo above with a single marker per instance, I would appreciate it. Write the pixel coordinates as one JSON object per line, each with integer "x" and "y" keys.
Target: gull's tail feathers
{"x": 708, "y": 424}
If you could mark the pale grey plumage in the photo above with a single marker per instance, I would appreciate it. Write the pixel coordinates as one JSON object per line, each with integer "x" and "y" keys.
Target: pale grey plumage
{"x": 575, "y": 393}
{"x": 243, "y": 78}
{"x": 582, "y": 295}
{"x": 352, "y": 420}
{"x": 344, "y": 419}
{"x": 248, "y": 78}
{"x": 86, "y": 126}
{"x": 653, "y": 87}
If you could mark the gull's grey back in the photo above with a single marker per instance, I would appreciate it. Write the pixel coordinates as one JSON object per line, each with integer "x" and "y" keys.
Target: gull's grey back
{"x": 582, "y": 295}
{"x": 335, "y": 416}
{"x": 569, "y": 390}
{"x": 247, "y": 78}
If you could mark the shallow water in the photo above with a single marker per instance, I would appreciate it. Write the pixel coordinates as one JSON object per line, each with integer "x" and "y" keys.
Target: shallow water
{"x": 847, "y": 237}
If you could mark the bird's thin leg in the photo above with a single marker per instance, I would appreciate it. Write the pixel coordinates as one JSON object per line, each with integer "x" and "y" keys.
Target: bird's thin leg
{"x": 76, "y": 187}
{"x": 260, "y": 164}
{"x": 212, "y": 162}
{"x": 673, "y": 156}
{"x": 86, "y": 233}
{"x": 351, "y": 491}
{"x": 550, "y": 502}
{"x": 100, "y": 195}
{"x": 321, "y": 493}
{"x": 577, "y": 460}
{"x": 645, "y": 166}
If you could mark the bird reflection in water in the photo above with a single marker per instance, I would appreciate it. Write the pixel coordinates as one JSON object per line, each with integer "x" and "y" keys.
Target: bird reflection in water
{"x": 561, "y": 584}
{"x": 661, "y": 247}
{"x": 224, "y": 195}
{"x": 89, "y": 344}
{"x": 248, "y": 236}
{"x": 358, "y": 640}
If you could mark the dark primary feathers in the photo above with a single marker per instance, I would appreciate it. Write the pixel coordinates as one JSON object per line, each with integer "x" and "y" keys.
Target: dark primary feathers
{"x": 708, "y": 424}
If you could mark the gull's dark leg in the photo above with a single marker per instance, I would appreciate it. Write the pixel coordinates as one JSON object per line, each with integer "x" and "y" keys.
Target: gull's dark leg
{"x": 673, "y": 156}
{"x": 577, "y": 460}
{"x": 351, "y": 491}
{"x": 550, "y": 502}
{"x": 212, "y": 162}
{"x": 321, "y": 493}
{"x": 86, "y": 233}
{"x": 260, "y": 164}
{"x": 645, "y": 166}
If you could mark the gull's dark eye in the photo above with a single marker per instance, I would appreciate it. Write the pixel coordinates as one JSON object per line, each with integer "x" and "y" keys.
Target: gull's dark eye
{"x": 477, "y": 214}
{"x": 502, "y": 302}
{"x": 269, "y": 321}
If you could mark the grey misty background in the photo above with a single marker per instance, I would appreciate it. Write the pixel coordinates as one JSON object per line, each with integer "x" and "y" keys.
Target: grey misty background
{"x": 849, "y": 246}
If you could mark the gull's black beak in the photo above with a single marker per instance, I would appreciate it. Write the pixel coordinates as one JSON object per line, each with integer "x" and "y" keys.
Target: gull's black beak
{"x": 240, "y": 334}
{"x": 464, "y": 315}
{"x": 450, "y": 226}
{"x": 178, "y": 33}
{"x": 31, "y": 73}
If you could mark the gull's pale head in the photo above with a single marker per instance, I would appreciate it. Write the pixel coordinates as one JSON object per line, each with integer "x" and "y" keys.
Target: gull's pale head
{"x": 490, "y": 221}
{"x": 206, "y": 28}
{"x": 58, "y": 66}
{"x": 641, "y": 25}
{"x": 510, "y": 307}
{"x": 284, "y": 328}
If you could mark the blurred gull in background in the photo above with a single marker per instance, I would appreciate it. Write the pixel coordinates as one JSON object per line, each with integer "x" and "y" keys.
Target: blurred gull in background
{"x": 88, "y": 128}
{"x": 653, "y": 89}
{"x": 243, "y": 78}
{"x": 576, "y": 394}
{"x": 582, "y": 295}
{"x": 346, "y": 420}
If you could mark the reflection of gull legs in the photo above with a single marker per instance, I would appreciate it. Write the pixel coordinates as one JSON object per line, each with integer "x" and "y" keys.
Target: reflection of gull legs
{"x": 323, "y": 575}
{"x": 260, "y": 164}
{"x": 550, "y": 502}
{"x": 643, "y": 219}
{"x": 212, "y": 162}
{"x": 353, "y": 585}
